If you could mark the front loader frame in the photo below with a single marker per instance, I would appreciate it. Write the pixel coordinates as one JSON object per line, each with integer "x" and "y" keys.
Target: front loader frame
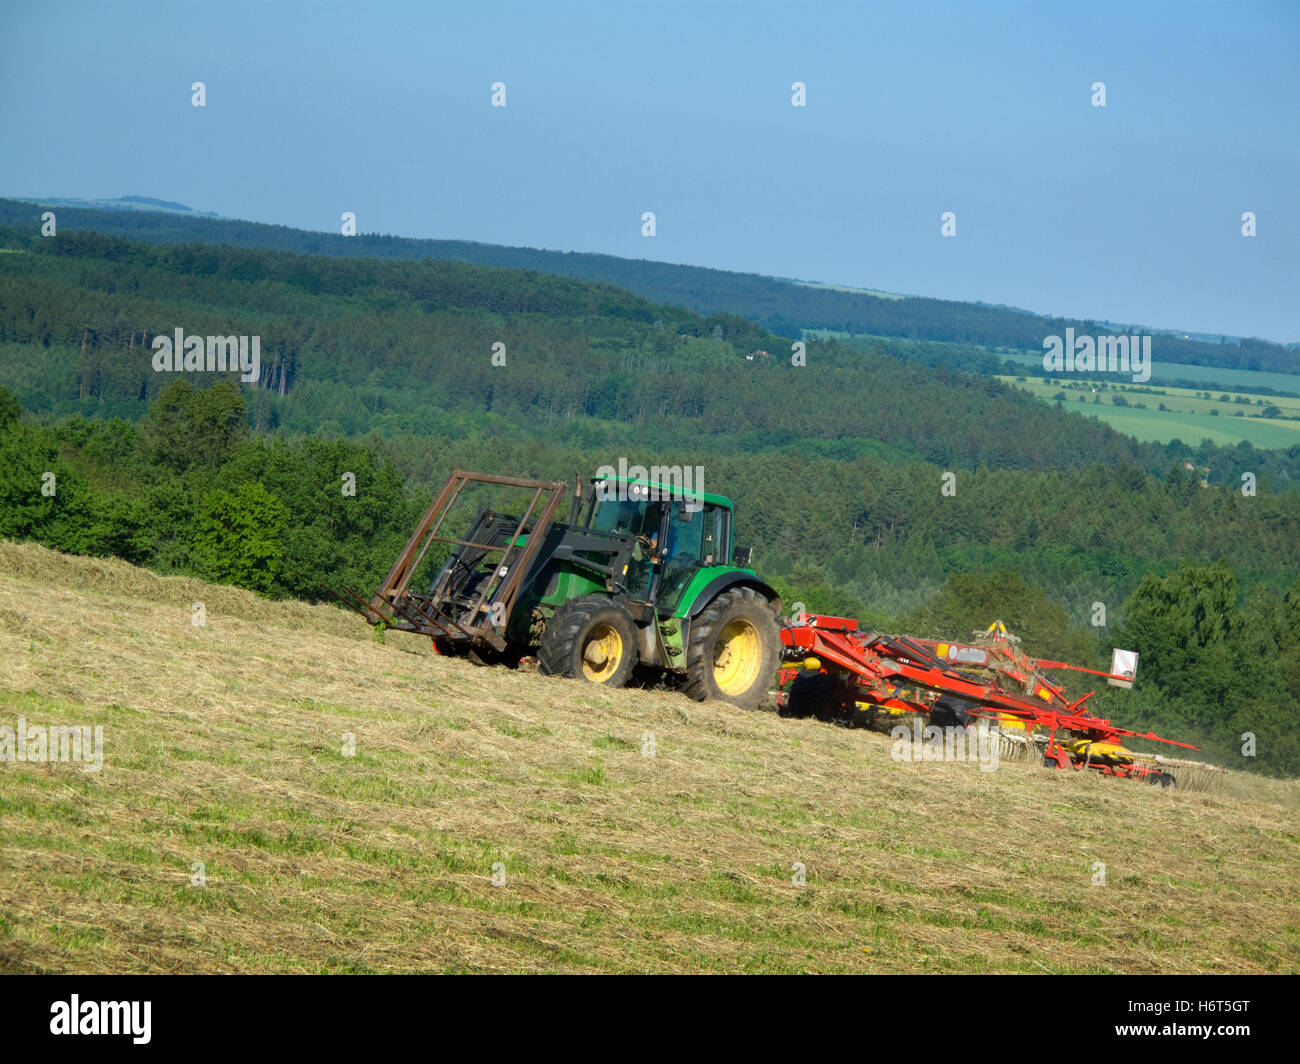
{"x": 483, "y": 623}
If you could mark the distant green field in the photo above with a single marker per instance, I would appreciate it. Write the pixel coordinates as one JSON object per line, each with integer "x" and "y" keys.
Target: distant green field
{"x": 1187, "y": 418}
{"x": 1159, "y": 426}
{"x": 858, "y": 291}
{"x": 1229, "y": 378}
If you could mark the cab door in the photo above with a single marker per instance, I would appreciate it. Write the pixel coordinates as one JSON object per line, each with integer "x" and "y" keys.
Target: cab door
{"x": 695, "y": 538}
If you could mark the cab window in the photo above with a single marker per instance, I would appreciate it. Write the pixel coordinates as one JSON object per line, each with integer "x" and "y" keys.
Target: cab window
{"x": 696, "y": 534}
{"x": 614, "y": 515}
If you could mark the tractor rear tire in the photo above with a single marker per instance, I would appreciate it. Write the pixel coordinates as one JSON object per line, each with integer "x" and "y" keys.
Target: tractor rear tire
{"x": 592, "y": 638}
{"x": 733, "y": 649}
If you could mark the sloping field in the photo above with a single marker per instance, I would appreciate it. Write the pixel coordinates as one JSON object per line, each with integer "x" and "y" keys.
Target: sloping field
{"x": 1162, "y": 370}
{"x": 224, "y": 744}
{"x": 1187, "y": 417}
{"x": 1159, "y": 426}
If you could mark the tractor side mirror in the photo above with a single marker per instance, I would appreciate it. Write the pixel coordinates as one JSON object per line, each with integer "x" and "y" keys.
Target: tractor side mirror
{"x": 741, "y": 556}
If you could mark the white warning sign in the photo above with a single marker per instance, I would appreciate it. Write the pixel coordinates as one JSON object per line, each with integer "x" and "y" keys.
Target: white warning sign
{"x": 1123, "y": 663}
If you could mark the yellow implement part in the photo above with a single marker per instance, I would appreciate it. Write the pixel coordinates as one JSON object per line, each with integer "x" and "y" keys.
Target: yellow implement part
{"x": 1099, "y": 751}
{"x": 889, "y": 711}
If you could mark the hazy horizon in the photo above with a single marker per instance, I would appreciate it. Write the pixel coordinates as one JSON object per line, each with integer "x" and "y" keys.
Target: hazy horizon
{"x": 1128, "y": 213}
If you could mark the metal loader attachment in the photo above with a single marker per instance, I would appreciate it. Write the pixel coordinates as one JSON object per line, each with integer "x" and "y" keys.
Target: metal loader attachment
{"x": 467, "y": 605}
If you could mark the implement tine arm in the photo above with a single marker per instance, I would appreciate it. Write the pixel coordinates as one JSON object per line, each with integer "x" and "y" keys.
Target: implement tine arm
{"x": 877, "y": 660}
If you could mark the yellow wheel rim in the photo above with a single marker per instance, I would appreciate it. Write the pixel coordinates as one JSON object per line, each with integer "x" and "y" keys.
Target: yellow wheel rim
{"x": 602, "y": 654}
{"x": 736, "y": 658}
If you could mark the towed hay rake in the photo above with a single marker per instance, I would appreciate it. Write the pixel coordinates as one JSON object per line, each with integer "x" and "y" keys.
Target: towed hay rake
{"x": 834, "y": 671}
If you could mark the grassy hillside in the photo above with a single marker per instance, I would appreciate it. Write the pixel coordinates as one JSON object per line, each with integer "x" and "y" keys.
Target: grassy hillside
{"x": 1162, "y": 413}
{"x": 223, "y": 744}
{"x": 1177, "y": 374}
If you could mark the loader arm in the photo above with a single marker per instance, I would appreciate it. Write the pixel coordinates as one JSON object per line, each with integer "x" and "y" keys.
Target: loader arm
{"x": 395, "y": 606}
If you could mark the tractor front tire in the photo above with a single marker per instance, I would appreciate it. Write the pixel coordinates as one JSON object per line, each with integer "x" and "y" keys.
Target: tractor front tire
{"x": 733, "y": 650}
{"x": 590, "y": 638}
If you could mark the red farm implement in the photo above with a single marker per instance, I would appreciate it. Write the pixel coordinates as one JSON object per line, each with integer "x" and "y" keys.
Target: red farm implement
{"x": 834, "y": 671}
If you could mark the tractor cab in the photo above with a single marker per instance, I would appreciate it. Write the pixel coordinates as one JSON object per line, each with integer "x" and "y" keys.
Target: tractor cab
{"x": 677, "y": 535}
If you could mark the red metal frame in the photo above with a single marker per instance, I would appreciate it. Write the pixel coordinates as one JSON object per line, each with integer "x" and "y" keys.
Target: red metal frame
{"x": 880, "y": 664}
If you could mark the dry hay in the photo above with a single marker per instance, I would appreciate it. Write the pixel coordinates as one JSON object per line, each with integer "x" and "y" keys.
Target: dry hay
{"x": 122, "y": 580}
{"x": 223, "y": 745}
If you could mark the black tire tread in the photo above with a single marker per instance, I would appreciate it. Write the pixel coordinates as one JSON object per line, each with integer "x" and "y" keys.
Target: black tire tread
{"x": 699, "y": 651}
{"x": 555, "y": 651}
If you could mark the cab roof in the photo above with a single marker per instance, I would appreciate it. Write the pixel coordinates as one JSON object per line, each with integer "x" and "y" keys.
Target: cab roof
{"x": 671, "y": 491}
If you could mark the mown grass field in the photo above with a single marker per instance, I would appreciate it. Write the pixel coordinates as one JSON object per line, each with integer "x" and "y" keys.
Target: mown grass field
{"x": 224, "y": 744}
{"x": 1188, "y": 416}
{"x": 1225, "y": 379}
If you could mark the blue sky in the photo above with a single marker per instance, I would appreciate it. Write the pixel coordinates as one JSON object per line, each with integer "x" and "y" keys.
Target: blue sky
{"x": 1129, "y": 212}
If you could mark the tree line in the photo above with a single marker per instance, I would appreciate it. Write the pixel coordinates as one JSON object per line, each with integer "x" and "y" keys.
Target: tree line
{"x": 783, "y": 307}
{"x": 358, "y": 346}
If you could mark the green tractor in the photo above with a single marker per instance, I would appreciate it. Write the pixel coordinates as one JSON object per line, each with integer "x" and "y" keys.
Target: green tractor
{"x": 643, "y": 574}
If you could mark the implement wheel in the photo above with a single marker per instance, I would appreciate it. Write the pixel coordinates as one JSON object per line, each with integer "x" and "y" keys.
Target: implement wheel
{"x": 733, "y": 649}
{"x": 590, "y": 638}
{"x": 820, "y": 695}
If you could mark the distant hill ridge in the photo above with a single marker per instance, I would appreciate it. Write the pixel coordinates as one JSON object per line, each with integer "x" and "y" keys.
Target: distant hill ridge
{"x": 783, "y": 307}
{"x": 121, "y": 203}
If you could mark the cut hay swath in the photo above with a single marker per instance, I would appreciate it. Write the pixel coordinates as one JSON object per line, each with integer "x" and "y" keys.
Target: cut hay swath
{"x": 223, "y": 745}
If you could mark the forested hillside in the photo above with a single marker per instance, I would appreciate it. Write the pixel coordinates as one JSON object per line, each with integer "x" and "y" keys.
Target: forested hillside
{"x": 353, "y": 346}
{"x": 785, "y": 307}
{"x": 838, "y": 467}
